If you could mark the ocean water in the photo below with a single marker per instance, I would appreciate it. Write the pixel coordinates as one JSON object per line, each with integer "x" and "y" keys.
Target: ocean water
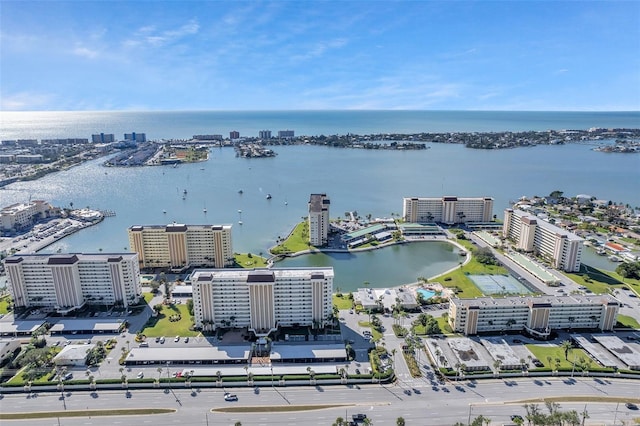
{"x": 184, "y": 124}
{"x": 368, "y": 181}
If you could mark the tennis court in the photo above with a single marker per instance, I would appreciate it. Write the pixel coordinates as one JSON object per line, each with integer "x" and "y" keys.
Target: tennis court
{"x": 499, "y": 284}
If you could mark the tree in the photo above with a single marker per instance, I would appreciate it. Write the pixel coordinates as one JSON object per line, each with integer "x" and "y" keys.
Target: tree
{"x": 566, "y": 346}
{"x": 400, "y": 421}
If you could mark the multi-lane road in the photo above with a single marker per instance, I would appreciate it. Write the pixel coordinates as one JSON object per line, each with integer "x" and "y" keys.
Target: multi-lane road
{"x": 412, "y": 399}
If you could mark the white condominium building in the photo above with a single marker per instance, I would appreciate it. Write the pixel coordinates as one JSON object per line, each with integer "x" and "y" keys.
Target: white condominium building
{"x": 538, "y": 315}
{"x": 531, "y": 234}
{"x": 64, "y": 282}
{"x": 179, "y": 246}
{"x": 448, "y": 210}
{"x": 319, "y": 219}
{"x": 262, "y": 299}
{"x": 22, "y": 215}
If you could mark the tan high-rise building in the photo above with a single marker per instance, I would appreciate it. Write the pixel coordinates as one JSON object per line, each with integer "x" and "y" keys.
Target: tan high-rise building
{"x": 262, "y": 299}
{"x": 319, "y": 219}
{"x": 65, "y": 282}
{"x": 179, "y": 245}
{"x": 531, "y": 234}
{"x": 448, "y": 210}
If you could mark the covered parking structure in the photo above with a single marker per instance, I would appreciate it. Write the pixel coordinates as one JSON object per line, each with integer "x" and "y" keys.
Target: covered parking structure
{"x": 207, "y": 355}
{"x": 308, "y": 353}
{"x": 86, "y": 326}
{"x": 19, "y": 328}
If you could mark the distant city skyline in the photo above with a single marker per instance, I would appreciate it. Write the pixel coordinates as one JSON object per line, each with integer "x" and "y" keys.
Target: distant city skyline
{"x": 352, "y": 55}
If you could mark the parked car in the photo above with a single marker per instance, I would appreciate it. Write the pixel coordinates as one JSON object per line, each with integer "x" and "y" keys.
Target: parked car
{"x": 631, "y": 406}
{"x": 359, "y": 417}
{"x": 517, "y": 417}
{"x": 186, "y": 339}
{"x": 177, "y": 339}
{"x": 140, "y": 375}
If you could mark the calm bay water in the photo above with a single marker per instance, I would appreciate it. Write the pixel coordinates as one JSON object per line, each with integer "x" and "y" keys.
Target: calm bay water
{"x": 371, "y": 182}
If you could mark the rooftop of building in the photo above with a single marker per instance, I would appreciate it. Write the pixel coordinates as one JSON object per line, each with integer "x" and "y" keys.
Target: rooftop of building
{"x": 544, "y": 224}
{"x": 551, "y": 300}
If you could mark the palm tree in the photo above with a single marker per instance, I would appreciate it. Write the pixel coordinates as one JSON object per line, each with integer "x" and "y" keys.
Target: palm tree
{"x": 219, "y": 375}
{"x": 566, "y": 346}
{"x": 159, "y": 370}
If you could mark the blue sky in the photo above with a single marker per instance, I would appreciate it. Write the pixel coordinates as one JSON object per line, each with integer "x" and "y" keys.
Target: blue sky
{"x": 288, "y": 55}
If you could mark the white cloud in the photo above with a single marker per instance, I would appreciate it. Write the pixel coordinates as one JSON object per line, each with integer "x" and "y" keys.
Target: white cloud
{"x": 320, "y": 48}
{"x": 85, "y": 52}
{"x": 25, "y": 101}
{"x": 151, "y": 36}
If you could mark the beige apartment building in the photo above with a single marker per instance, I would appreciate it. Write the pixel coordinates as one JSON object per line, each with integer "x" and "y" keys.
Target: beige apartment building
{"x": 23, "y": 215}
{"x": 177, "y": 246}
{"x": 538, "y": 315}
{"x": 531, "y": 234}
{"x": 262, "y": 299}
{"x": 319, "y": 219}
{"x": 447, "y": 210}
{"x": 65, "y": 282}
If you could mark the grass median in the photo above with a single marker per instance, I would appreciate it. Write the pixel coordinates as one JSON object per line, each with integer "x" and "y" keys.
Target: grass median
{"x": 86, "y": 413}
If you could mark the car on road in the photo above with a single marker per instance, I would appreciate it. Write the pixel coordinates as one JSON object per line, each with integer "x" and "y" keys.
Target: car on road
{"x": 517, "y": 418}
{"x": 186, "y": 339}
{"x": 162, "y": 339}
{"x": 631, "y": 406}
{"x": 359, "y": 417}
{"x": 177, "y": 339}
{"x": 157, "y": 339}
{"x": 140, "y": 375}
{"x": 230, "y": 396}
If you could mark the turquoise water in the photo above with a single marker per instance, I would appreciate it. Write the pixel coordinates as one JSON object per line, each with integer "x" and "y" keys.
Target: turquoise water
{"x": 426, "y": 294}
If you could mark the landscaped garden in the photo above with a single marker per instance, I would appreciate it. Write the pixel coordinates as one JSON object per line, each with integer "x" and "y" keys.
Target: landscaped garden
{"x": 172, "y": 320}
{"x": 297, "y": 241}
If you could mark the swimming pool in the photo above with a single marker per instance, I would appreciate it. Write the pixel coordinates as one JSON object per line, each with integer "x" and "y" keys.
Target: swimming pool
{"x": 426, "y": 294}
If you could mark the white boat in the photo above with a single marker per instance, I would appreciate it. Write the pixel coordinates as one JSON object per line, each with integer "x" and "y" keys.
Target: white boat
{"x": 164, "y": 211}
{"x": 268, "y": 196}
{"x": 239, "y": 222}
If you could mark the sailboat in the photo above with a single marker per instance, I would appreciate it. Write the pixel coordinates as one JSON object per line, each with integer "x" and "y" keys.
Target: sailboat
{"x": 268, "y": 196}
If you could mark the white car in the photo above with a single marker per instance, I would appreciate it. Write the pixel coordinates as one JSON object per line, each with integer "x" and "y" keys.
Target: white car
{"x": 140, "y": 375}
{"x": 230, "y": 397}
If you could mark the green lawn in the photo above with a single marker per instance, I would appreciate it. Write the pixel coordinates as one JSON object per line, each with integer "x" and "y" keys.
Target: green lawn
{"x": 243, "y": 260}
{"x": 628, "y": 321}
{"x": 542, "y": 352}
{"x": 4, "y": 304}
{"x": 297, "y": 241}
{"x": 600, "y": 281}
{"x": 458, "y": 278}
{"x": 342, "y": 302}
{"x": 161, "y": 326}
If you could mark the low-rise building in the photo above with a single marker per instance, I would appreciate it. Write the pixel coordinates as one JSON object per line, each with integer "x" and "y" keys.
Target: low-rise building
{"x": 22, "y": 215}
